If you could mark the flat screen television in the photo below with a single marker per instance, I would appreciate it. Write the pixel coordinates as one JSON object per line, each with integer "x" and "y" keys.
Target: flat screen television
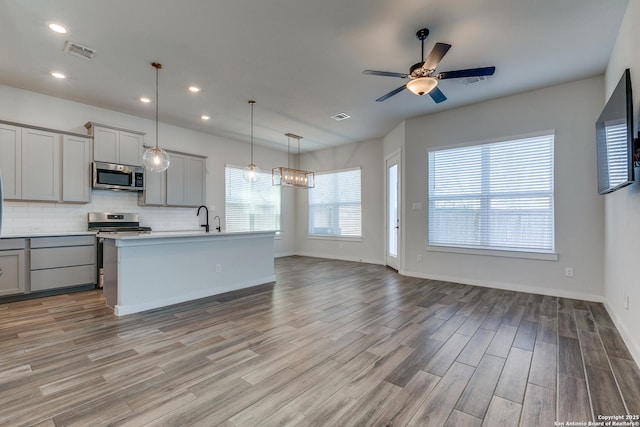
{"x": 614, "y": 139}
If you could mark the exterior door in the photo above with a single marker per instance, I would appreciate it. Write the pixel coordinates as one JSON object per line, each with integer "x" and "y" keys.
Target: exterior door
{"x": 393, "y": 234}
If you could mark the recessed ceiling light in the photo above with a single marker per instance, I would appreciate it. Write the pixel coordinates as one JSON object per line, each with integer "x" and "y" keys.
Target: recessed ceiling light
{"x": 205, "y": 117}
{"x": 194, "y": 89}
{"x": 145, "y": 99}
{"x": 58, "y": 75}
{"x": 58, "y": 28}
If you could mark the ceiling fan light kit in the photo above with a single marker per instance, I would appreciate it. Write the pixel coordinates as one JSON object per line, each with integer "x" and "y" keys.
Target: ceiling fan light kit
{"x": 422, "y": 85}
{"x": 422, "y": 76}
{"x": 292, "y": 177}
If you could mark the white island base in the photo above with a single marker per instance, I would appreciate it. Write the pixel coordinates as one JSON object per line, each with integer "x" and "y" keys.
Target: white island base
{"x": 148, "y": 271}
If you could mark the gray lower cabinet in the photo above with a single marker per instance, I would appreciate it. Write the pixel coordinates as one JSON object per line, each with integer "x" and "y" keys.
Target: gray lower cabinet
{"x": 12, "y": 267}
{"x": 60, "y": 262}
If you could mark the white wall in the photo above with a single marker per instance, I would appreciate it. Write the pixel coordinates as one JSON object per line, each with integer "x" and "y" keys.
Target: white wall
{"x": 571, "y": 110}
{"x": 40, "y": 110}
{"x": 622, "y": 208}
{"x": 368, "y": 156}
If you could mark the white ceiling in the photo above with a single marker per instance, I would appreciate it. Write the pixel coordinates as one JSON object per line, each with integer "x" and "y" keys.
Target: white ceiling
{"x": 301, "y": 60}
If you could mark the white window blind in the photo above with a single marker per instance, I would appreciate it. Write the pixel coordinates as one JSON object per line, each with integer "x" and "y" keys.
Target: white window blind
{"x": 335, "y": 204}
{"x": 493, "y": 196}
{"x": 250, "y": 207}
{"x": 617, "y": 153}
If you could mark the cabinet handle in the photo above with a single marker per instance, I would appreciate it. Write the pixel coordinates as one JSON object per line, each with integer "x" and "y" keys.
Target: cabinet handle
{"x": 0, "y": 272}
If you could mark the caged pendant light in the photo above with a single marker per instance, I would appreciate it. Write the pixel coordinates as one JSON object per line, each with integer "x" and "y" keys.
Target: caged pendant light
{"x": 290, "y": 177}
{"x": 251, "y": 172}
{"x": 155, "y": 159}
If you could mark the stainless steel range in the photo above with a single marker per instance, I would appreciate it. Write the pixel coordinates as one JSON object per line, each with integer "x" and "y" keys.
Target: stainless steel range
{"x": 113, "y": 223}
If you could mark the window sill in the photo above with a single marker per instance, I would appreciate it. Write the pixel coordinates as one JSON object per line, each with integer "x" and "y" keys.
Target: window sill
{"x": 552, "y": 256}
{"x": 342, "y": 238}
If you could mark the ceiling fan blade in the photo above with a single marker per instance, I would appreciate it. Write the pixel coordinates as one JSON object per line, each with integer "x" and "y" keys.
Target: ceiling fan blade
{"x": 471, "y": 72}
{"x": 385, "y": 74}
{"x": 435, "y": 56}
{"x": 390, "y": 94}
{"x": 437, "y": 95}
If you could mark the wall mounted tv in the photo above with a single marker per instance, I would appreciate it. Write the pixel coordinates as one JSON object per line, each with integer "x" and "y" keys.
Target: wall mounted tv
{"x": 614, "y": 139}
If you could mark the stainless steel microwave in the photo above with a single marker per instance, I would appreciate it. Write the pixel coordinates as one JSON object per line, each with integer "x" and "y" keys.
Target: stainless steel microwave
{"x": 111, "y": 176}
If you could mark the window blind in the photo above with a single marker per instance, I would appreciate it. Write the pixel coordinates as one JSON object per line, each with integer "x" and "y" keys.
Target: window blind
{"x": 250, "y": 207}
{"x": 335, "y": 204}
{"x": 493, "y": 196}
{"x": 617, "y": 153}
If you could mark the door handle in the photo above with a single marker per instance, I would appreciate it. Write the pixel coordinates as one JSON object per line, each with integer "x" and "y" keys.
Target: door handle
{"x": 0, "y": 272}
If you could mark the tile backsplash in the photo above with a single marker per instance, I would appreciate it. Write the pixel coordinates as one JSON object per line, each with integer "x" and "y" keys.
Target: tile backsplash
{"x": 27, "y": 217}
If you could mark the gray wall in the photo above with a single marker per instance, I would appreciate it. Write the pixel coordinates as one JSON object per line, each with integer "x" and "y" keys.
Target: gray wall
{"x": 569, "y": 109}
{"x": 622, "y": 212}
{"x": 368, "y": 156}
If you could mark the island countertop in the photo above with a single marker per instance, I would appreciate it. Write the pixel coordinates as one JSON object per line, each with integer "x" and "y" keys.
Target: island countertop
{"x": 182, "y": 234}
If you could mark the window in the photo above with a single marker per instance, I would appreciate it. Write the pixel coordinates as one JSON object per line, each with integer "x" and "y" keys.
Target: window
{"x": 617, "y": 153}
{"x": 335, "y": 204}
{"x": 251, "y": 207}
{"x": 493, "y": 196}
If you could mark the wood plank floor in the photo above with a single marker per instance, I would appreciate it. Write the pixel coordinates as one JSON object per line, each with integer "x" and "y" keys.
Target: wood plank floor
{"x": 331, "y": 343}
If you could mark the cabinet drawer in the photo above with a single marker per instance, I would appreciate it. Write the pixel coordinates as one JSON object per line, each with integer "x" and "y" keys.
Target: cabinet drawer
{"x": 49, "y": 242}
{"x": 42, "y": 280}
{"x": 12, "y": 272}
{"x": 62, "y": 257}
{"x": 11, "y": 244}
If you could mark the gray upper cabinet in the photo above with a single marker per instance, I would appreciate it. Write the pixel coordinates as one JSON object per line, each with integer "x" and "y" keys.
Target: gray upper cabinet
{"x": 182, "y": 185}
{"x": 44, "y": 165}
{"x": 41, "y": 165}
{"x": 194, "y": 194}
{"x": 176, "y": 180}
{"x": 155, "y": 189}
{"x": 11, "y": 160}
{"x": 114, "y": 145}
{"x": 76, "y": 170}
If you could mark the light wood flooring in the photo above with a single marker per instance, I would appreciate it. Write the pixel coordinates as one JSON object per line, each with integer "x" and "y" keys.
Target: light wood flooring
{"x": 331, "y": 343}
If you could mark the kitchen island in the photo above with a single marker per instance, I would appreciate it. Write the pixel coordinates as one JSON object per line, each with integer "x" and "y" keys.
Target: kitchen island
{"x": 147, "y": 271}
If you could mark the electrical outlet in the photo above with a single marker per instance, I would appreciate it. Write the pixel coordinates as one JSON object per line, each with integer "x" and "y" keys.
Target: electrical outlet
{"x": 568, "y": 272}
{"x": 419, "y": 257}
{"x": 218, "y": 268}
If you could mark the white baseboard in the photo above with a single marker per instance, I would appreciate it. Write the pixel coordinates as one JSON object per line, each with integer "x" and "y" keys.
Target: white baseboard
{"x": 340, "y": 258}
{"x": 634, "y": 347}
{"x": 284, "y": 254}
{"x": 508, "y": 286}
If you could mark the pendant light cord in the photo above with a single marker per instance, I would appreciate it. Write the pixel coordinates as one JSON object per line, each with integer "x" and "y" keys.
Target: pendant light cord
{"x": 252, "y": 102}
{"x": 157, "y": 66}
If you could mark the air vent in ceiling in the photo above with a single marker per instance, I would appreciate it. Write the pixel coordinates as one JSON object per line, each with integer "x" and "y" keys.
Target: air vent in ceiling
{"x": 76, "y": 49}
{"x": 340, "y": 116}
{"x": 474, "y": 79}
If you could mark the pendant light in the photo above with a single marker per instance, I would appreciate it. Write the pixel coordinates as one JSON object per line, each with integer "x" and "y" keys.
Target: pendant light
{"x": 251, "y": 172}
{"x": 290, "y": 177}
{"x": 155, "y": 159}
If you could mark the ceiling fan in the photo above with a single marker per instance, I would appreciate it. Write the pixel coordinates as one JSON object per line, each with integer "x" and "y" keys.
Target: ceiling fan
{"x": 423, "y": 79}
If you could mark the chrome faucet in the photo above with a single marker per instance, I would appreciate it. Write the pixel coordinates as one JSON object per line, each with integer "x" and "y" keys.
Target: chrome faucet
{"x": 219, "y": 227}
{"x": 206, "y": 226}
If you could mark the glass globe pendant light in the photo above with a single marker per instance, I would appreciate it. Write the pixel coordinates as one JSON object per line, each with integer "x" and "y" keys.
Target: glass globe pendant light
{"x": 251, "y": 172}
{"x": 155, "y": 159}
